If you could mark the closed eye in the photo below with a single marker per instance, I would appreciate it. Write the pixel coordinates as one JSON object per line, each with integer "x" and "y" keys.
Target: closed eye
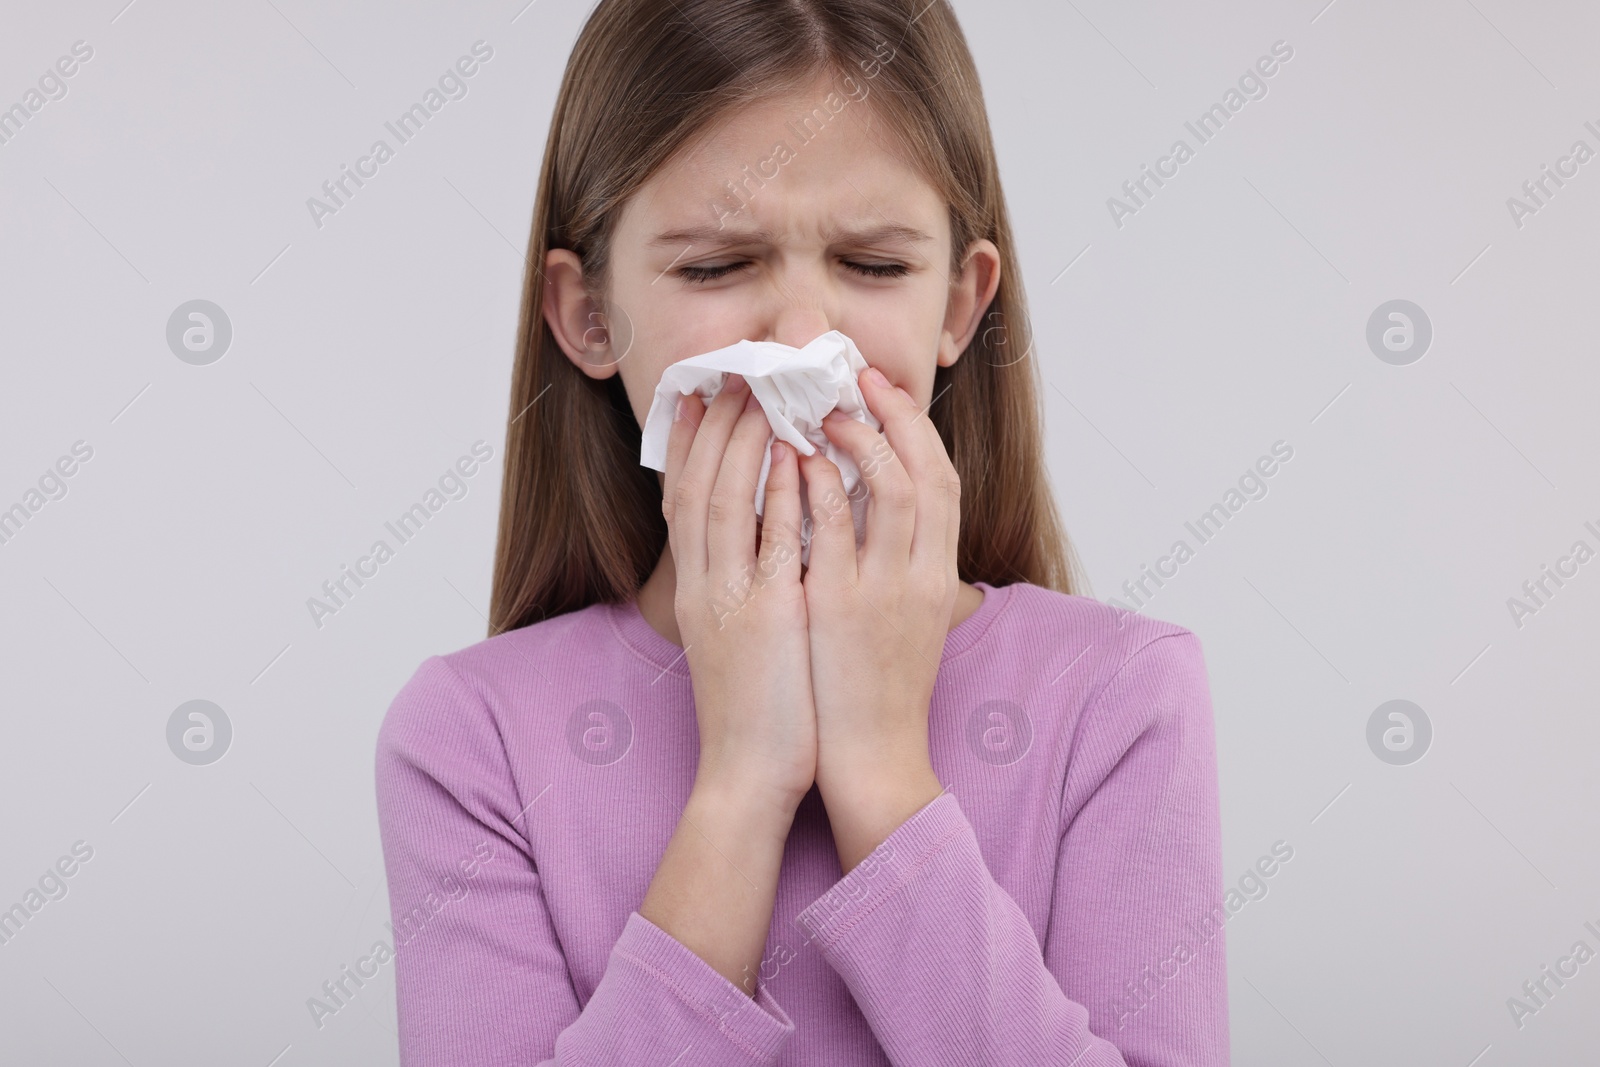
{"x": 706, "y": 274}
{"x": 697, "y": 274}
{"x": 879, "y": 270}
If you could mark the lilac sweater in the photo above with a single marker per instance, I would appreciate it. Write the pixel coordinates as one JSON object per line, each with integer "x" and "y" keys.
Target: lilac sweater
{"x": 1058, "y": 904}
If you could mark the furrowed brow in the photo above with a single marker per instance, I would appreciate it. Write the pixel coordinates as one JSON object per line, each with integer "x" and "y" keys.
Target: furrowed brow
{"x": 712, "y": 236}
{"x": 874, "y": 234}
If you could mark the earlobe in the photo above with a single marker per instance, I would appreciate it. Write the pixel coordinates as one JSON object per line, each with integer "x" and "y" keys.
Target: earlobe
{"x": 575, "y": 320}
{"x": 970, "y": 296}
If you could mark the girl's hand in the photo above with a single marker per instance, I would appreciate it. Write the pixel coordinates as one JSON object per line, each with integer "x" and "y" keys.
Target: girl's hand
{"x": 742, "y": 616}
{"x": 878, "y": 622}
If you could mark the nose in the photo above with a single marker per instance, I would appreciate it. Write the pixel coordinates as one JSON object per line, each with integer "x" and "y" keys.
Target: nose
{"x": 797, "y": 331}
{"x": 798, "y": 316}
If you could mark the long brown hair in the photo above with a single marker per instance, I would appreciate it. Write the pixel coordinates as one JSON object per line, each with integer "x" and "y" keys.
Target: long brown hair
{"x": 580, "y": 517}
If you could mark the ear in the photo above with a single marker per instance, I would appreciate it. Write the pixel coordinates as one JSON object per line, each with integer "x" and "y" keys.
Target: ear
{"x": 579, "y": 326}
{"x": 971, "y": 293}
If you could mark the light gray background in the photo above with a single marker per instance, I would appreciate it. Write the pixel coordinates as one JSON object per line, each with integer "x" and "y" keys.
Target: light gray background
{"x": 369, "y": 354}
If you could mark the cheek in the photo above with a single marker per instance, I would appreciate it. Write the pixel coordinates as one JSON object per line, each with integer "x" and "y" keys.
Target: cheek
{"x": 903, "y": 328}
{"x": 906, "y": 352}
{"x": 664, "y": 332}
{"x": 667, "y": 338}
{"x": 640, "y": 376}
{"x": 675, "y": 329}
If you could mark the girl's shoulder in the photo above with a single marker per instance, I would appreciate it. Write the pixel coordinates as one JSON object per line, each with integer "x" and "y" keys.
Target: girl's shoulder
{"x": 1062, "y": 653}
{"x": 569, "y": 638}
{"x": 513, "y": 669}
{"x": 1028, "y": 613}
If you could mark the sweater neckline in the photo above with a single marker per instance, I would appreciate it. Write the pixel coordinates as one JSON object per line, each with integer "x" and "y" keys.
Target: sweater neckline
{"x": 634, "y": 630}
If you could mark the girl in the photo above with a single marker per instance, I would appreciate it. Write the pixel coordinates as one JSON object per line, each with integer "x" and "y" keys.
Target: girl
{"x": 693, "y": 803}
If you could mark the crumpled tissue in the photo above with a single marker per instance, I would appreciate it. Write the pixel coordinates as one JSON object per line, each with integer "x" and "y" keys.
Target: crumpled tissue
{"x": 796, "y": 388}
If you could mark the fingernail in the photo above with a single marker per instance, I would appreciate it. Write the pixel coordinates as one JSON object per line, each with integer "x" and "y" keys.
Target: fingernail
{"x": 677, "y": 408}
{"x": 750, "y": 402}
{"x": 877, "y": 376}
{"x": 736, "y": 382}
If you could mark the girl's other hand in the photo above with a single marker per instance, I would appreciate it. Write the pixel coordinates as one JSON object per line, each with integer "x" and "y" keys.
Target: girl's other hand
{"x": 740, "y": 607}
{"x": 878, "y": 622}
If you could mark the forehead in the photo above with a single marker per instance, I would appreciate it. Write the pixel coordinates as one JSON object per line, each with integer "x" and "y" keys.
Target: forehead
{"x": 804, "y": 163}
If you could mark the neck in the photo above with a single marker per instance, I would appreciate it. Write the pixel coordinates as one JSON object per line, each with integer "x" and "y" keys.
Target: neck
{"x": 656, "y": 596}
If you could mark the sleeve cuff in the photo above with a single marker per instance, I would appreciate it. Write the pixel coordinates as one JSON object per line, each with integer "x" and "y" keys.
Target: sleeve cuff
{"x": 884, "y": 872}
{"x": 756, "y": 1027}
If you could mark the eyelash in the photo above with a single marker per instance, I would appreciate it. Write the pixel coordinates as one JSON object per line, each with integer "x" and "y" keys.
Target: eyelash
{"x": 870, "y": 270}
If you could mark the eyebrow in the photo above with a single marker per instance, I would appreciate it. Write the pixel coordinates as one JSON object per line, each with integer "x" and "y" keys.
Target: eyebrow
{"x": 712, "y": 235}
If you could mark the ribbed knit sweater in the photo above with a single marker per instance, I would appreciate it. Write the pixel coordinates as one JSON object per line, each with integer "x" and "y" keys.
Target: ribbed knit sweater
{"x": 1059, "y": 904}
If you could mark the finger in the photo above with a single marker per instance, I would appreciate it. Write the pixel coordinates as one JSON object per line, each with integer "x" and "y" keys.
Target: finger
{"x": 780, "y": 518}
{"x": 712, "y": 426}
{"x": 686, "y": 539}
{"x": 915, "y": 443}
{"x": 731, "y": 510}
{"x": 939, "y": 494}
{"x": 892, "y": 503}
{"x": 951, "y": 493}
{"x": 833, "y": 529}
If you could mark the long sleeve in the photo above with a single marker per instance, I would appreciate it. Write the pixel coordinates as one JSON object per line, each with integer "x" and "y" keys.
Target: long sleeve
{"x": 480, "y": 976}
{"x": 945, "y": 965}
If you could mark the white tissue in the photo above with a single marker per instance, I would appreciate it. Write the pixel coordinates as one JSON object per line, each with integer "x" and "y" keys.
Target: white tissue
{"x": 796, "y": 387}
